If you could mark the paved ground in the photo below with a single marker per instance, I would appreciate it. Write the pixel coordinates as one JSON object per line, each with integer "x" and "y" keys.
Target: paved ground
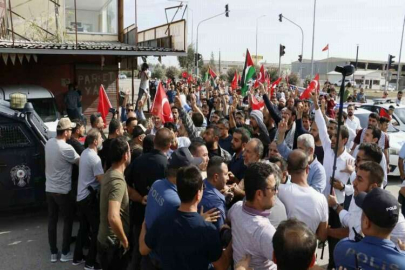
{"x": 24, "y": 244}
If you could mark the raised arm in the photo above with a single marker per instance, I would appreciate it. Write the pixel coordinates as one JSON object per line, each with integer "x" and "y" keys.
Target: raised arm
{"x": 320, "y": 122}
{"x": 276, "y": 117}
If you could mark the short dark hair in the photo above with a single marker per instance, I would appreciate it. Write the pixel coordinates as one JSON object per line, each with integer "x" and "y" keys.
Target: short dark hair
{"x": 113, "y": 126}
{"x": 376, "y": 132}
{"x": 194, "y": 146}
{"x": 275, "y": 159}
{"x": 148, "y": 143}
{"x": 297, "y": 161}
{"x": 163, "y": 138}
{"x": 60, "y": 132}
{"x": 244, "y": 133}
{"x": 79, "y": 124}
{"x": 129, "y": 120}
{"x": 384, "y": 120}
{"x": 94, "y": 118}
{"x": 219, "y": 113}
{"x": 224, "y": 122}
{"x": 189, "y": 182}
{"x": 118, "y": 148}
{"x": 350, "y": 105}
{"x": 198, "y": 119}
{"x": 374, "y": 116}
{"x": 344, "y": 132}
{"x": 376, "y": 173}
{"x": 294, "y": 245}
{"x": 256, "y": 175}
{"x": 215, "y": 129}
{"x": 214, "y": 166}
{"x": 372, "y": 151}
{"x": 92, "y": 135}
{"x": 170, "y": 125}
{"x": 400, "y": 92}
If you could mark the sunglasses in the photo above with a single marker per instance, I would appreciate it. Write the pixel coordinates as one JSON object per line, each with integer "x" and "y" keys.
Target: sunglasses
{"x": 130, "y": 110}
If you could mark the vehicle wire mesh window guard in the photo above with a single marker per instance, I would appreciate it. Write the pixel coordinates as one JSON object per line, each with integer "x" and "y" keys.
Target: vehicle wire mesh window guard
{"x": 13, "y": 136}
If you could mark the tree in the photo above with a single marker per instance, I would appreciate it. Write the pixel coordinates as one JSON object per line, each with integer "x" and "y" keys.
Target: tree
{"x": 273, "y": 73}
{"x": 307, "y": 81}
{"x": 172, "y": 72}
{"x": 293, "y": 78}
{"x": 231, "y": 73}
{"x": 212, "y": 62}
{"x": 224, "y": 77}
{"x": 187, "y": 62}
{"x": 158, "y": 72}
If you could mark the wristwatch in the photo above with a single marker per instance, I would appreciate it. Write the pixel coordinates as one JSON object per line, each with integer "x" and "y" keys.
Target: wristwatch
{"x": 335, "y": 206}
{"x": 343, "y": 187}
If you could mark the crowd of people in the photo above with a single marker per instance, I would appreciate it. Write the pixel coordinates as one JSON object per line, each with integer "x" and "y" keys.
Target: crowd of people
{"x": 225, "y": 185}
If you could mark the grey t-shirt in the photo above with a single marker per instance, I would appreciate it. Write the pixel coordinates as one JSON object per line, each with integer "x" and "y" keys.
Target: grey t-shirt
{"x": 277, "y": 213}
{"x": 252, "y": 234}
{"x": 90, "y": 166}
{"x": 59, "y": 157}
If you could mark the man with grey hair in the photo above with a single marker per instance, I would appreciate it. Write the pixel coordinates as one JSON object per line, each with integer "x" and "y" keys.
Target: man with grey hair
{"x": 312, "y": 208}
{"x": 253, "y": 151}
{"x": 305, "y": 142}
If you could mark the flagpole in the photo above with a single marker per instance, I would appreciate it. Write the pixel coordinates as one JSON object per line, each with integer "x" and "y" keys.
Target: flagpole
{"x": 327, "y": 66}
{"x": 313, "y": 41}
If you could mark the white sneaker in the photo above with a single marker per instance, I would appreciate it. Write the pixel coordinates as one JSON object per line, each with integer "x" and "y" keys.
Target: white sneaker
{"x": 54, "y": 258}
{"x": 67, "y": 257}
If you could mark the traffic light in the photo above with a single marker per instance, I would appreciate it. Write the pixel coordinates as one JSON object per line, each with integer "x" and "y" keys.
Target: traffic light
{"x": 280, "y": 17}
{"x": 390, "y": 61}
{"x": 197, "y": 57}
{"x": 226, "y": 10}
{"x": 300, "y": 58}
{"x": 282, "y": 50}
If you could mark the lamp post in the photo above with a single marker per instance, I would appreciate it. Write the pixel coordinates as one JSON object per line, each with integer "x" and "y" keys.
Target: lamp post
{"x": 198, "y": 27}
{"x": 257, "y": 28}
{"x": 399, "y": 60}
{"x": 192, "y": 24}
{"x": 302, "y": 38}
{"x": 313, "y": 41}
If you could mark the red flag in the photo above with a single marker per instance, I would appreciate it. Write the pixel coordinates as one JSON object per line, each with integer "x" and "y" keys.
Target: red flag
{"x": 257, "y": 105}
{"x": 313, "y": 85}
{"x": 168, "y": 81}
{"x": 104, "y": 104}
{"x": 184, "y": 74}
{"x": 262, "y": 76}
{"x": 326, "y": 48}
{"x": 212, "y": 73}
{"x": 161, "y": 106}
{"x": 234, "y": 84}
{"x": 190, "y": 78}
{"x": 384, "y": 113}
{"x": 274, "y": 85}
{"x": 286, "y": 80}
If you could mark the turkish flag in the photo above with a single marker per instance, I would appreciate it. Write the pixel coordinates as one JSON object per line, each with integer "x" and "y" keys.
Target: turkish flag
{"x": 234, "y": 84}
{"x": 257, "y": 105}
{"x": 274, "y": 85}
{"x": 184, "y": 74}
{"x": 326, "y": 48}
{"x": 262, "y": 76}
{"x": 161, "y": 105}
{"x": 384, "y": 113}
{"x": 190, "y": 79}
{"x": 313, "y": 85}
{"x": 104, "y": 104}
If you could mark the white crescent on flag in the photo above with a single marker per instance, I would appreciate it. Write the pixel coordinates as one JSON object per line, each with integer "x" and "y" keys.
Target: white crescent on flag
{"x": 259, "y": 78}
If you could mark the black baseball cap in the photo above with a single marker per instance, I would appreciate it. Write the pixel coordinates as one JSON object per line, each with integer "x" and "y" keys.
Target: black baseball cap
{"x": 182, "y": 157}
{"x": 138, "y": 130}
{"x": 380, "y": 206}
{"x": 391, "y": 107}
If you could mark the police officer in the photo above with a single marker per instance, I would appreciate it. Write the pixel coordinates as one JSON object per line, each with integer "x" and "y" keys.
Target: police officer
{"x": 375, "y": 250}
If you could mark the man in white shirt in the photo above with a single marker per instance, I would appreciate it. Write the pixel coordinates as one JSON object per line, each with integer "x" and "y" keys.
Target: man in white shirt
{"x": 370, "y": 175}
{"x": 90, "y": 174}
{"x": 352, "y": 121}
{"x": 252, "y": 232}
{"x": 312, "y": 208}
{"x": 59, "y": 158}
{"x": 399, "y": 100}
{"x": 144, "y": 86}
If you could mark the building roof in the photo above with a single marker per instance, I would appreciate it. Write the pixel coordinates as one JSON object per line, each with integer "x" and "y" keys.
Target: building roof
{"x": 84, "y": 48}
{"x": 339, "y": 59}
{"x": 358, "y": 72}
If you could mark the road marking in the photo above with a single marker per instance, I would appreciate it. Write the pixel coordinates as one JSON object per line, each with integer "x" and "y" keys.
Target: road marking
{"x": 14, "y": 243}
{"x": 5, "y": 232}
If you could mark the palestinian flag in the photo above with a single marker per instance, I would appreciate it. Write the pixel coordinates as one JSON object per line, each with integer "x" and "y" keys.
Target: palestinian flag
{"x": 212, "y": 76}
{"x": 205, "y": 77}
{"x": 248, "y": 72}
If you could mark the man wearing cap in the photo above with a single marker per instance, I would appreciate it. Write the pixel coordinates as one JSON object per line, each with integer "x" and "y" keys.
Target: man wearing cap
{"x": 259, "y": 129}
{"x": 59, "y": 158}
{"x": 136, "y": 144}
{"x": 163, "y": 198}
{"x": 375, "y": 250}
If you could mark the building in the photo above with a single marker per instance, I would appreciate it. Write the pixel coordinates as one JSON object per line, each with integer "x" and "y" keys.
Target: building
{"x": 368, "y": 79}
{"x": 325, "y": 66}
{"x": 52, "y": 43}
{"x": 226, "y": 65}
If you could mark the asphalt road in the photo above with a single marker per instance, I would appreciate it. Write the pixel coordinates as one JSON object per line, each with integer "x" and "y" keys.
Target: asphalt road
{"x": 24, "y": 240}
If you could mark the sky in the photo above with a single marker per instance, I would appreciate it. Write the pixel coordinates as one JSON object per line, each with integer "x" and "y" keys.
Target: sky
{"x": 375, "y": 25}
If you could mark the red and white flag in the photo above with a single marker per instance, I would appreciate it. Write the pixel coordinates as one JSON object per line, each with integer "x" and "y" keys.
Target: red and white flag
{"x": 257, "y": 105}
{"x": 234, "y": 84}
{"x": 313, "y": 85}
{"x": 262, "y": 75}
{"x": 274, "y": 85}
{"x": 184, "y": 75}
{"x": 326, "y": 48}
{"x": 104, "y": 104}
{"x": 161, "y": 105}
{"x": 384, "y": 113}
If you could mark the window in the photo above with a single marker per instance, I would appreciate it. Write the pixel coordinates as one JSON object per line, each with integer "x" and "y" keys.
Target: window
{"x": 93, "y": 16}
{"x": 12, "y": 136}
{"x": 376, "y": 82}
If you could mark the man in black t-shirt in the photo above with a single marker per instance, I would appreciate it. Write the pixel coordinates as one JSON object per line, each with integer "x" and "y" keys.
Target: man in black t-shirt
{"x": 184, "y": 240}
{"x": 115, "y": 129}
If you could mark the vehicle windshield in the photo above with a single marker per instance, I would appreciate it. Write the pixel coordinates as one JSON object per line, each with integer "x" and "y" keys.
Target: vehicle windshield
{"x": 363, "y": 117}
{"x": 400, "y": 113}
{"x": 45, "y": 108}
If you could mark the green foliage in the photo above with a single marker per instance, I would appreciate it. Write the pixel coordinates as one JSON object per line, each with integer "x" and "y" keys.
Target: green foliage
{"x": 158, "y": 72}
{"x": 203, "y": 70}
{"x": 224, "y": 77}
{"x": 231, "y": 73}
{"x": 172, "y": 72}
{"x": 212, "y": 62}
{"x": 187, "y": 62}
{"x": 273, "y": 73}
{"x": 307, "y": 81}
{"x": 293, "y": 78}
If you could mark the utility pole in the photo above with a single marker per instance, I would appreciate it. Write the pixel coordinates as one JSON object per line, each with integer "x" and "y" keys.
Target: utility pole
{"x": 399, "y": 72}
{"x": 313, "y": 41}
{"x": 219, "y": 62}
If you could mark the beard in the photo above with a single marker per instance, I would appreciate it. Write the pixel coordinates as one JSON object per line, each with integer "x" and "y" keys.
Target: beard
{"x": 209, "y": 145}
{"x": 350, "y": 114}
{"x": 280, "y": 107}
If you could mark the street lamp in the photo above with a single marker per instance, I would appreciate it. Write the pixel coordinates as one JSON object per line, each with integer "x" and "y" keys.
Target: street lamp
{"x": 192, "y": 25}
{"x": 226, "y": 12}
{"x": 302, "y": 39}
{"x": 399, "y": 60}
{"x": 257, "y": 28}
{"x": 313, "y": 41}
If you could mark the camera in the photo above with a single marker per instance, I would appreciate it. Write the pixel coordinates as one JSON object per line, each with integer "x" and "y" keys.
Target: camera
{"x": 346, "y": 70}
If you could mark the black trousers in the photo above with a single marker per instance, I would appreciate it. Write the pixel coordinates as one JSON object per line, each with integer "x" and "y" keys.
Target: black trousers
{"x": 334, "y": 222}
{"x": 112, "y": 257}
{"x": 140, "y": 95}
{"x": 63, "y": 204}
{"x": 136, "y": 256}
{"x": 89, "y": 215}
